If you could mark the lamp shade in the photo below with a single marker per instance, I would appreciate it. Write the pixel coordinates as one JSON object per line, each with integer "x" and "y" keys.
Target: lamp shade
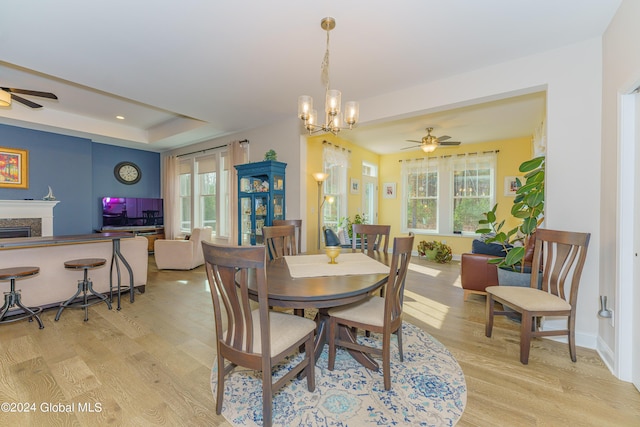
{"x": 5, "y": 98}
{"x": 320, "y": 176}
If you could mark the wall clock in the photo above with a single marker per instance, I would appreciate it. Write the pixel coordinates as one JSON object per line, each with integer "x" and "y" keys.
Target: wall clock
{"x": 127, "y": 173}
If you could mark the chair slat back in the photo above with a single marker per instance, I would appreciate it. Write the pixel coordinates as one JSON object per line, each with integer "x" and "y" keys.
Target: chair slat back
{"x": 280, "y": 240}
{"x": 560, "y": 256}
{"x": 297, "y": 223}
{"x": 394, "y": 289}
{"x": 230, "y": 269}
{"x": 372, "y": 237}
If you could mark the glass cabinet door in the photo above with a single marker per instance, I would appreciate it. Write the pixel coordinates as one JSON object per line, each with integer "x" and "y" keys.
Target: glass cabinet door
{"x": 261, "y": 205}
{"x": 246, "y": 220}
{"x": 278, "y": 206}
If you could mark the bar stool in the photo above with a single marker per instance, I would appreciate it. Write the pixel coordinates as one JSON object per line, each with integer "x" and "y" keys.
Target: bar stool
{"x": 12, "y": 298}
{"x": 84, "y": 286}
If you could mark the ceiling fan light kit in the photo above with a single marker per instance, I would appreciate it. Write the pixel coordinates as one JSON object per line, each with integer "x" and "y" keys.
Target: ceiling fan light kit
{"x": 5, "y": 98}
{"x": 429, "y": 143}
{"x": 333, "y": 102}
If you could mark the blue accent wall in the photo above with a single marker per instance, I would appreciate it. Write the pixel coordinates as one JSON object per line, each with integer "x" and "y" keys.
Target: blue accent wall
{"x": 80, "y": 173}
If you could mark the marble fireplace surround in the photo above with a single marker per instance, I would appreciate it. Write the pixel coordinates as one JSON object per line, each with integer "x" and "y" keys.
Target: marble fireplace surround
{"x": 36, "y": 214}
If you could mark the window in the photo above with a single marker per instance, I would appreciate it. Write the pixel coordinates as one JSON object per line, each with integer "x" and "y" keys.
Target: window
{"x": 336, "y": 162}
{"x": 472, "y": 191}
{"x": 447, "y": 194}
{"x": 421, "y": 184}
{"x": 206, "y": 177}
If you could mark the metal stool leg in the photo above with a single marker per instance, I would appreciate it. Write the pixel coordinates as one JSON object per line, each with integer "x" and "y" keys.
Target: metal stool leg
{"x": 12, "y": 299}
{"x": 86, "y": 287}
{"x": 69, "y": 301}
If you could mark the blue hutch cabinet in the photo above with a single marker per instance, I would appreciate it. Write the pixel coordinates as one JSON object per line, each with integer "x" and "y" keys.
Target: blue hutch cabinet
{"x": 261, "y": 199}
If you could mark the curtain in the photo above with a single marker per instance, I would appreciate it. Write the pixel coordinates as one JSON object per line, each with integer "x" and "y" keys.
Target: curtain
{"x": 238, "y": 154}
{"x": 171, "y": 196}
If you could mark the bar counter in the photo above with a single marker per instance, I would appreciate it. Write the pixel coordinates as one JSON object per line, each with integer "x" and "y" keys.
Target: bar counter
{"x": 116, "y": 257}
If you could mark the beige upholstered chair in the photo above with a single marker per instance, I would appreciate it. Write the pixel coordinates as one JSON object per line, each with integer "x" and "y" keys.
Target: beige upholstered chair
{"x": 257, "y": 338}
{"x": 376, "y": 314}
{"x": 181, "y": 254}
{"x": 559, "y": 256}
{"x": 372, "y": 237}
{"x": 297, "y": 223}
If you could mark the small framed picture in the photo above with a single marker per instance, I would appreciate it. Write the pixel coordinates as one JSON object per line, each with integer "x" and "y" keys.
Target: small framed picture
{"x": 14, "y": 168}
{"x": 355, "y": 186}
{"x": 389, "y": 190}
{"x": 511, "y": 185}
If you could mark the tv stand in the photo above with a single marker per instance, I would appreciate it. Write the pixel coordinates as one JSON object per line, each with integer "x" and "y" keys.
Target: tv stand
{"x": 152, "y": 233}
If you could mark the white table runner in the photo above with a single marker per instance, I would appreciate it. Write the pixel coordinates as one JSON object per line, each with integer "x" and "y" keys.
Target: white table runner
{"x": 348, "y": 264}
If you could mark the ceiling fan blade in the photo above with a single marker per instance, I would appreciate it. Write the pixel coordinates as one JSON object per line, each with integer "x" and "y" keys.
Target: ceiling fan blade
{"x": 30, "y": 92}
{"x": 408, "y": 148}
{"x": 413, "y": 140}
{"x": 450, "y": 143}
{"x": 25, "y": 101}
{"x": 443, "y": 138}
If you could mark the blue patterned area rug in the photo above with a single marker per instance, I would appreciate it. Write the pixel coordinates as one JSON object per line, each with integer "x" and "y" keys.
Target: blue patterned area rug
{"x": 427, "y": 389}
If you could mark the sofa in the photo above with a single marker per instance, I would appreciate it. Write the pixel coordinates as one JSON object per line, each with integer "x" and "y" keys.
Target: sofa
{"x": 55, "y": 284}
{"x": 182, "y": 254}
{"x": 476, "y": 273}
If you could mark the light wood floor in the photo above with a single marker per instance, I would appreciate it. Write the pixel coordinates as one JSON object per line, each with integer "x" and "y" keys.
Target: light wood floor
{"x": 149, "y": 364}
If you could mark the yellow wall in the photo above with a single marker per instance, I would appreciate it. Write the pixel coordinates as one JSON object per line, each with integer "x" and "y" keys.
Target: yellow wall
{"x": 314, "y": 164}
{"x": 511, "y": 154}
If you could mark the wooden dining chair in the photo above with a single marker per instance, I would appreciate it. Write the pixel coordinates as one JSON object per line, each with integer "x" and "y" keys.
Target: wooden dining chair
{"x": 297, "y": 223}
{"x": 559, "y": 257}
{"x": 371, "y": 237}
{"x": 280, "y": 240}
{"x": 256, "y": 338}
{"x": 376, "y": 314}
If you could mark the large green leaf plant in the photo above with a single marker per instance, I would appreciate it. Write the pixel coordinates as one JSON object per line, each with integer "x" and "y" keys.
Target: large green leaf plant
{"x": 528, "y": 206}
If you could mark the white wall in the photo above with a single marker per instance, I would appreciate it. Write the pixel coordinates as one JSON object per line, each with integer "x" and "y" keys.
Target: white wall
{"x": 621, "y": 74}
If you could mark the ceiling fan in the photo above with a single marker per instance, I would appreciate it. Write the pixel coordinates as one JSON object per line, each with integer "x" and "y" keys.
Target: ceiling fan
{"x": 430, "y": 142}
{"x": 6, "y": 98}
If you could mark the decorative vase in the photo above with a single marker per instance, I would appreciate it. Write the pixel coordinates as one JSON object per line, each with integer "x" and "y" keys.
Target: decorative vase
{"x": 332, "y": 252}
{"x": 430, "y": 254}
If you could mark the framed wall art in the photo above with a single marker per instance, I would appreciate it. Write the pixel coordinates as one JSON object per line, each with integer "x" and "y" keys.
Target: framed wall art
{"x": 355, "y": 186}
{"x": 14, "y": 168}
{"x": 389, "y": 190}
{"x": 511, "y": 185}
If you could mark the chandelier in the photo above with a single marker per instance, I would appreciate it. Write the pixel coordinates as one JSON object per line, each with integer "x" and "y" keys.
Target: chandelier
{"x": 334, "y": 118}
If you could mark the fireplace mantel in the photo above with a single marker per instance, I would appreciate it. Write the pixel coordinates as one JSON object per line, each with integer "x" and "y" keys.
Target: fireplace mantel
{"x": 10, "y": 209}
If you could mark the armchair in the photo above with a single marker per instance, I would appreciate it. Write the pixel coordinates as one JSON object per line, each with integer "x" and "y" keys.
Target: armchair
{"x": 182, "y": 254}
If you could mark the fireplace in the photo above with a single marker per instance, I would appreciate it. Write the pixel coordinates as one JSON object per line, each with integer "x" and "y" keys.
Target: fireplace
{"x": 10, "y": 232}
{"x": 37, "y": 215}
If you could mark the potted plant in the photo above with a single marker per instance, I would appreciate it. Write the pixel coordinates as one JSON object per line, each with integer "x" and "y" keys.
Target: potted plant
{"x": 528, "y": 206}
{"x": 435, "y": 251}
{"x": 347, "y": 224}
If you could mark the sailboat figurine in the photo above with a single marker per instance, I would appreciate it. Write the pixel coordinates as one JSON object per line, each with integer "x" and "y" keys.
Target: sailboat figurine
{"x": 49, "y": 195}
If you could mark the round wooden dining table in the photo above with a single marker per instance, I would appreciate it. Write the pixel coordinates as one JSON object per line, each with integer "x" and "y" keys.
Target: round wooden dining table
{"x": 323, "y": 293}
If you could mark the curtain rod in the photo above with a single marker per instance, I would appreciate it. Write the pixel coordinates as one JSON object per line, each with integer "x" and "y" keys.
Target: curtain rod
{"x": 450, "y": 155}
{"x": 209, "y": 149}
{"x": 324, "y": 141}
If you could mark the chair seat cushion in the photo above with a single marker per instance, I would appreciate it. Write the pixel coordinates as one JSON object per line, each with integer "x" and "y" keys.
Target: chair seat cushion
{"x": 529, "y": 299}
{"x": 286, "y": 330}
{"x": 369, "y": 311}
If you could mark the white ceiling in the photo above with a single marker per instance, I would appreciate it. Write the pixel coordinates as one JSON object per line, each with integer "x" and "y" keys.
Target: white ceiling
{"x": 184, "y": 72}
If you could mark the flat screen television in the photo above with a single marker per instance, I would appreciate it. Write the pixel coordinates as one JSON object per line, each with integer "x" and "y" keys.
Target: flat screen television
{"x": 119, "y": 212}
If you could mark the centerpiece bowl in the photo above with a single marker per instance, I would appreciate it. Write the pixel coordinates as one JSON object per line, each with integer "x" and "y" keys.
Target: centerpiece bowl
{"x": 332, "y": 252}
